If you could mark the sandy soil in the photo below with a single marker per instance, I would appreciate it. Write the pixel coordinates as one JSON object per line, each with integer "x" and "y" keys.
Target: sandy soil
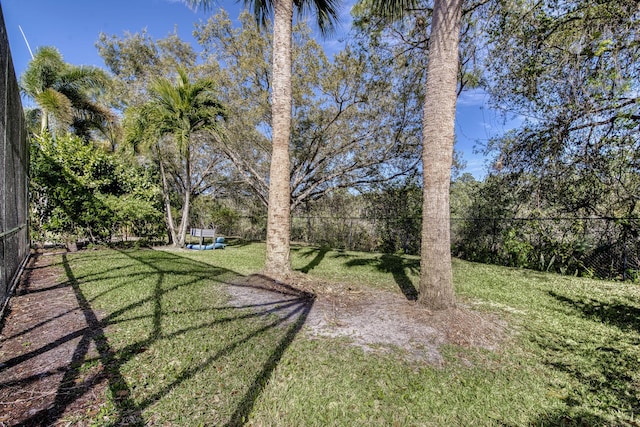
{"x": 374, "y": 320}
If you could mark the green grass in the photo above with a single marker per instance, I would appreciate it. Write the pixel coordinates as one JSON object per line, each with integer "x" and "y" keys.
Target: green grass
{"x": 178, "y": 354}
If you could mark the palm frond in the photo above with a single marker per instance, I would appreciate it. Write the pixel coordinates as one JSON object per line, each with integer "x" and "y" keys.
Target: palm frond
{"x": 84, "y": 78}
{"x": 326, "y": 13}
{"x": 139, "y": 133}
{"x": 43, "y": 71}
{"x": 66, "y": 92}
{"x": 390, "y": 9}
{"x": 56, "y": 104}
{"x": 262, "y": 10}
{"x": 177, "y": 109}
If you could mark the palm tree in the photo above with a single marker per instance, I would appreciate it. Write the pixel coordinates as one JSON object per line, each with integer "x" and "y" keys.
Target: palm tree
{"x": 278, "y": 262}
{"x": 436, "y": 282}
{"x": 170, "y": 123}
{"x": 65, "y": 93}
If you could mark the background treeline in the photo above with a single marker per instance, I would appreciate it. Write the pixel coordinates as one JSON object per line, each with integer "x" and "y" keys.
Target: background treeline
{"x": 561, "y": 189}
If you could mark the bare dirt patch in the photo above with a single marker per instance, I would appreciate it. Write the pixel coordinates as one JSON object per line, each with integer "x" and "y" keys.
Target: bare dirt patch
{"x": 373, "y": 320}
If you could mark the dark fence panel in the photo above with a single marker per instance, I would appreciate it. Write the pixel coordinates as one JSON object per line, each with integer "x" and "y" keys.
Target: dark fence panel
{"x": 607, "y": 248}
{"x": 595, "y": 247}
{"x": 14, "y": 163}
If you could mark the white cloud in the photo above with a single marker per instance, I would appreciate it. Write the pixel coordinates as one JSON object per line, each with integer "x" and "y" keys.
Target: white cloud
{"x": 473, "y": 97}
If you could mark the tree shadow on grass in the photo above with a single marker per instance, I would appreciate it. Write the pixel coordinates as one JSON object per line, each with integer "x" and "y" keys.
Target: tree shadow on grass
{"x": 397, "y": 266}
{"x": 290, "y": 316}
{"x": 604, "y": 364}
{"x": 565, "y": 418}
{"x": 320, "y": 254}
{"x": 620, "y": 314}
{"x": 73, "y": 384}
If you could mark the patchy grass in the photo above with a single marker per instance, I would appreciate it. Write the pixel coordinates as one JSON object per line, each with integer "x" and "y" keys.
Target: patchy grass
{"x": 179, "y": 354}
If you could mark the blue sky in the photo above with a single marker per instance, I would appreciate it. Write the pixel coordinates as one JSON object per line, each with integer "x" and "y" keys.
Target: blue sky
{"x": 73, "y": 26}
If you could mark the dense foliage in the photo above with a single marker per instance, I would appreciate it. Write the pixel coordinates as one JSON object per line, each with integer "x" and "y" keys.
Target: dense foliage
{"x": 79, "y": 190}
{"x": 561, "y": 194}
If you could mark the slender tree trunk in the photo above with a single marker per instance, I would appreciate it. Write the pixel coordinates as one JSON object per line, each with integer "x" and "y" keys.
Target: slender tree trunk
{"x": 436, "y": 281}
{"x": 167, "y": 204}
{"x": 186, "y": 205}
{"x": 44, "y": 121}
{"x": 278, "y": 262}
{"x": 184, "y": 221}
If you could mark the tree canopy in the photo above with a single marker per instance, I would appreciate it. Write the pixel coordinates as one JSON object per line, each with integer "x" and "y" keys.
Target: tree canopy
{"x": 361, "y": 121}
{"x": 570, "y": 71}
{"x": 180, "y": 125}
{"x": 65, "y": 93}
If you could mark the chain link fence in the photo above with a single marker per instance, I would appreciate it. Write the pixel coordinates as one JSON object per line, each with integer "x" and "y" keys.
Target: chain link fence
{"x": 607, "y": 248}
{"x": 14, "y": 162}
{"x": 594, "y": 247}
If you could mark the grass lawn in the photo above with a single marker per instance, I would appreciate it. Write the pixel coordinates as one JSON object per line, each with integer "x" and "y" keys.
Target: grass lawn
{"x": 179, "y": 354}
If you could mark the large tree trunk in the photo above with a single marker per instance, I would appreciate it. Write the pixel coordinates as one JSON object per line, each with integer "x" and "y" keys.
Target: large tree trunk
{"x": 436, "y": 281}
{"x": 279, "y": 212}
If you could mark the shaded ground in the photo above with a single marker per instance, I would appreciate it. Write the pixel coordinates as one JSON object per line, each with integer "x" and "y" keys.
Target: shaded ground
{"x": 50, "y": 330}
{"x": 45, "y": 337}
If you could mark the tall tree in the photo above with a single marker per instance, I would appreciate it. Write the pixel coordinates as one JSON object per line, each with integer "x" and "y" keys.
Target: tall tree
{"x": 66, "y": 93}
{"x": 180, "y": 122}
{"x": 436, "y": 277}
{"x": 136, "y": 59}
{"x": 351, "y": 126}
{"x": 572, "y": 70}
{"x": 436, "y": 282}
{"x": 278, "y": 261}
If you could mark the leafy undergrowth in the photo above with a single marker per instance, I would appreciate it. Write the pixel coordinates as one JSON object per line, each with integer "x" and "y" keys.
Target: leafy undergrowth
{"x": 179, "y": 354}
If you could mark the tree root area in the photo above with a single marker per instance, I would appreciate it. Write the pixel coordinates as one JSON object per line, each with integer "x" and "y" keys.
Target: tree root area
{"x": 373, "y": 320}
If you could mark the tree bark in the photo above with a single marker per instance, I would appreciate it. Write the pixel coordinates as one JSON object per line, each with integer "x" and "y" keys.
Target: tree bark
{"x": 167, "y": 203}
{"x": 278, "y": 262}
{"x": 186, "y": 205}
{"x": 184, "y": 222}
{"x": 436, "y": 278}
{"x": 44, "y": 122}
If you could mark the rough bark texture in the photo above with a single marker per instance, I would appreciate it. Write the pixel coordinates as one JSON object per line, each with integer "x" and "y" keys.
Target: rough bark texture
{"x": 279, "y": 213}
{"x": 436, "y": 282}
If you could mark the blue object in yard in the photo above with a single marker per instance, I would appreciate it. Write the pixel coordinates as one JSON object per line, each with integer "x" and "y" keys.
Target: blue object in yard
{"x": 200, "y": 247}
{"x": 219, "y": 244}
